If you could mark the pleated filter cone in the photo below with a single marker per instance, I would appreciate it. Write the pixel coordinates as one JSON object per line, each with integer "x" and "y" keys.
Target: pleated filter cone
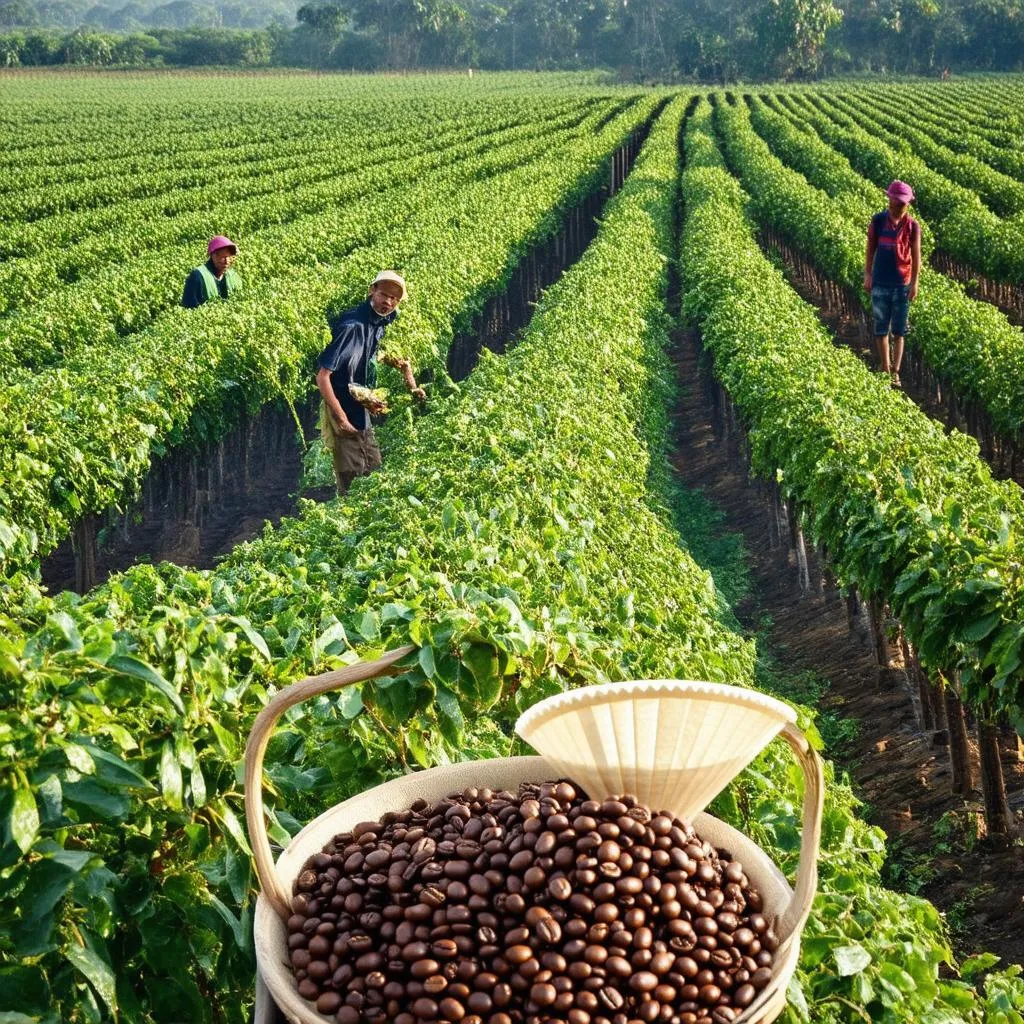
{"x": 673, "y": 744}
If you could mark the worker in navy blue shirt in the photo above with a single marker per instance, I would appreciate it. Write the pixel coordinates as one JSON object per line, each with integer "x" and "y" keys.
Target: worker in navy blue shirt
{"x": 351, "y": 358}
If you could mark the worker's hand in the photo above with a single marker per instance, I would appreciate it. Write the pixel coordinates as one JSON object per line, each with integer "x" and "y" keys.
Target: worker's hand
{"x": 419, "y": 393}
{"x": 342, "y": 426}
{"x": 867, "y": 282}
{"x": 912, "y": 292}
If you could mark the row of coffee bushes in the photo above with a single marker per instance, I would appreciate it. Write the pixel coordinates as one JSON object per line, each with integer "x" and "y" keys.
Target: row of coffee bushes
{"x": 872, "y": 477}
{"x": 521, "y": 541}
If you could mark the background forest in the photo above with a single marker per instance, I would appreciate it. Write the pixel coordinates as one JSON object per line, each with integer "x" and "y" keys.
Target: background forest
{"x": 702, "y": 40}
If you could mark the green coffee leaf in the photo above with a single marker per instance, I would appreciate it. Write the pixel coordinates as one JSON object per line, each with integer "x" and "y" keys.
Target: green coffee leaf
{"x": 23, "y": 819}
{"x": 252, "y": 635}
{"x": 170, "y": 775}
{"x": 851, "y": 959}
{"x": 127, "y": 665}
{"x": 87, "y": 959}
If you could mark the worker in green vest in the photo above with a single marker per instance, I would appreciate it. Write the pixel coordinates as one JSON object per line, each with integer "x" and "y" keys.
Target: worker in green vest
{"x": 214, "y": 279}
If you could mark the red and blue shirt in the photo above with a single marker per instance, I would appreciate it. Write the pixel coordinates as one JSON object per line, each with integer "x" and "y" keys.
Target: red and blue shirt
{"x": 893, "y": 263}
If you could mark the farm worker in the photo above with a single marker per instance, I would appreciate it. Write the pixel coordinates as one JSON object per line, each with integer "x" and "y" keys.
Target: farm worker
{"x": 891, "y": 270}
{"x": 351, "y": 358}
{"x": 215, "y": 278}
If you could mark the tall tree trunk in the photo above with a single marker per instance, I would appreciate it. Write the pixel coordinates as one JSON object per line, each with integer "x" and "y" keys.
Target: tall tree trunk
{"x": 959, "y": 750}
{"x": 993, "y": 784}
{"x": 84, "y": 547}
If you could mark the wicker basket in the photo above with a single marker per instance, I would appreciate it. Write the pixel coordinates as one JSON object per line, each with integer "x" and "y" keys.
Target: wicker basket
{"x": 731, "y": 707}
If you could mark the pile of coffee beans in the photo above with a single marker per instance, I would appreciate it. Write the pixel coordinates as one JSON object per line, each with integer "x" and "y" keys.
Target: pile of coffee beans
{"x": 501, "y": 908}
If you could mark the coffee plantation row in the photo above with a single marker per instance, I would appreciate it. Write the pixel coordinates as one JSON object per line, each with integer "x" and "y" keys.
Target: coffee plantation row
{"x": 80, "y": 436}
{"x": 524, "y": 534}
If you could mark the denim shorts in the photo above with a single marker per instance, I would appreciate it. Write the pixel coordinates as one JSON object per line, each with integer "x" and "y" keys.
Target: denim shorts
{"x": 890, "y": 307}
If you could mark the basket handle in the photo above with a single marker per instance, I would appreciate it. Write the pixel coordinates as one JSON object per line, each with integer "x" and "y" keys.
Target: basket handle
{"x": 259, "y": 737}
{"x": 792, "y": 919}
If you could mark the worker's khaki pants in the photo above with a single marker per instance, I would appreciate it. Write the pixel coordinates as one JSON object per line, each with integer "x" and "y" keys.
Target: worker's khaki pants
{"x": 352, "y": 454}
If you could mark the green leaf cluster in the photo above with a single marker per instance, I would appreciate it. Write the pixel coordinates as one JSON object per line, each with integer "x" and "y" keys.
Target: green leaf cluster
{"x": 867, "y": 953}
{"x": 81, "y": 437}
{"x": 907, "y": 513}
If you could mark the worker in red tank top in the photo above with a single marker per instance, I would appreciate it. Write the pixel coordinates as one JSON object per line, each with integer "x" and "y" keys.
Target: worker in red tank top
{"x": 892, "y": 267}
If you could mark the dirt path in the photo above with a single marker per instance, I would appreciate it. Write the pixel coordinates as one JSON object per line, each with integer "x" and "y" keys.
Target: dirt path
{"x": 901, "y": 773}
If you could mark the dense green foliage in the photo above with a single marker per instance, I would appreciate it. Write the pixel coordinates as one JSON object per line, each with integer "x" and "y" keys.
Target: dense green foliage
{"x": 476, "y": 545}
{"x": 127, "y": 882}
{"x": 873, "y": 477}
{"x": 970, "y": 343}
{"x": 526, "y": 536}
{"x": 907, "y": 513}
{"x": 80, "y": 436}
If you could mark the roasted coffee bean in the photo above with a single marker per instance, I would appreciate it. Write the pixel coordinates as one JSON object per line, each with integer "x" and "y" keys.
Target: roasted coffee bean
{"x": 665, "y": 994}
{"x": 611, "y": 998}
{"x": 319, "y": 970}
{"x": 649, "y": 1012}
{"x": 535, "y": 878}
{"x": 480, "y": 1002}
{"x": 618, "y": 967}
{"x": 425, "y": 1009}
{"x": 546, "y": 842}
{"x": 560, "y": 888}
{"x": 643, "y": 981}
{"x": 424, "y": 968}
{"x": 662, "y": 963}
{"x": 710, "y": 994}
{"x": 543, "y": 994}
{"x": 744, "y": 996}
{"x": 548, "y": 930}
{"x": 529, "y": 968}
{"x": 609, "y": 912}
{"x": 451, "y": 1009}
{"x": 518, "y": 954}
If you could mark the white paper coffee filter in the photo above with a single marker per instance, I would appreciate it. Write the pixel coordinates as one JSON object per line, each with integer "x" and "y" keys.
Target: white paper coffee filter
{"x": 674, "y": 744}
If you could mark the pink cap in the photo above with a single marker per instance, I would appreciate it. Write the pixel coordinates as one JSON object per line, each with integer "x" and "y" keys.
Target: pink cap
{"x": 220, "y": 242}
{"x": 900, "y": 191}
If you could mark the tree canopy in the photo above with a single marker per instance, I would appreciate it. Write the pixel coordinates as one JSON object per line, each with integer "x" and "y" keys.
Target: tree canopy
{"x": 698, "y": 40}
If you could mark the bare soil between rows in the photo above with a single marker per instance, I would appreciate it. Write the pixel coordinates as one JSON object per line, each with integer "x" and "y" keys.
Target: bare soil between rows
{"x": 900, "y": 772}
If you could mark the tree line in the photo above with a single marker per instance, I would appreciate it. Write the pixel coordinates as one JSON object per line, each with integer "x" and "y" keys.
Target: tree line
{"x": 643, "y": 40}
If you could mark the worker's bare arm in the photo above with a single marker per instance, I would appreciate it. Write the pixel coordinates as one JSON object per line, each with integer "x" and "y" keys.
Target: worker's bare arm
{"x": 915, "y": 264}
{"x": 334, "y": 409}
{"x": 869, "y": 260}
{"x": 403, "y": 364}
